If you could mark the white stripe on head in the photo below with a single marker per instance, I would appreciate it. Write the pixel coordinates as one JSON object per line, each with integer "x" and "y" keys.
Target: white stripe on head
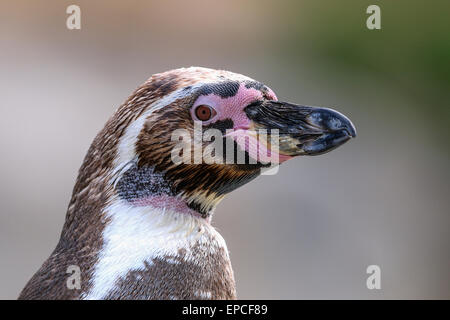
{"x": 126, "y": 149}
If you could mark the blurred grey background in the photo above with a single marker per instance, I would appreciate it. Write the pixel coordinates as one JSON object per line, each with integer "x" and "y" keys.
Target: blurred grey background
{"x": 311, "y": 230}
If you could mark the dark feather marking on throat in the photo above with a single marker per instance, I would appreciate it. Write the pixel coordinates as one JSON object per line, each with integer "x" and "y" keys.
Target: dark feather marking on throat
{"x": 140, "y": 182}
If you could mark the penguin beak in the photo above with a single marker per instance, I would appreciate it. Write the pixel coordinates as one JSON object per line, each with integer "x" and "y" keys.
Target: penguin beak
{"x": 303, "y": 130}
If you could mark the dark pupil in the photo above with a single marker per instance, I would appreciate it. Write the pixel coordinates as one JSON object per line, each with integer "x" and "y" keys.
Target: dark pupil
{"x": 203, "y": 112}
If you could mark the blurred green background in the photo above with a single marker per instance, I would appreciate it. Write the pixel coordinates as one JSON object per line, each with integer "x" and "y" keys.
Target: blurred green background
{"x": 311, "y": 230}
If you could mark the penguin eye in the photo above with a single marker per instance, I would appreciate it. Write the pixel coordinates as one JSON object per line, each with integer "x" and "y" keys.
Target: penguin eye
{"x": 204, "y": 112}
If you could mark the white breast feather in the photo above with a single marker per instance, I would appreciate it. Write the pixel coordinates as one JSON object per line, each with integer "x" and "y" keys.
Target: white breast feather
{"x": 135, "y": 235}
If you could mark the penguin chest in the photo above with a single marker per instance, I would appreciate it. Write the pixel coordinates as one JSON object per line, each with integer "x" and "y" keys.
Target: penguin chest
{"x": 161, "y": 255}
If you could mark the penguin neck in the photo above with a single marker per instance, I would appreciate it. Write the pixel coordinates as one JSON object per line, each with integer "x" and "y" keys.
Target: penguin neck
{"x": 129, "y": 221}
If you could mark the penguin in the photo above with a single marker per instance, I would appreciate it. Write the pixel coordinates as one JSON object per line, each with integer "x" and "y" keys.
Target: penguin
{"x": 138, "y": 225}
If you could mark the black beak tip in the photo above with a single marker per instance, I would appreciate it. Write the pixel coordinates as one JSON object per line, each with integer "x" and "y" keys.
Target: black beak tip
{"x": 332, "y": 120}
{"x": 350, "y": 129}
{"x": 336, "y": 129}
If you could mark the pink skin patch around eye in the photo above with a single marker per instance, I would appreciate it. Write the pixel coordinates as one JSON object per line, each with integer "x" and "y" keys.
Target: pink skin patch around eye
{"x": 233, "y": 108}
